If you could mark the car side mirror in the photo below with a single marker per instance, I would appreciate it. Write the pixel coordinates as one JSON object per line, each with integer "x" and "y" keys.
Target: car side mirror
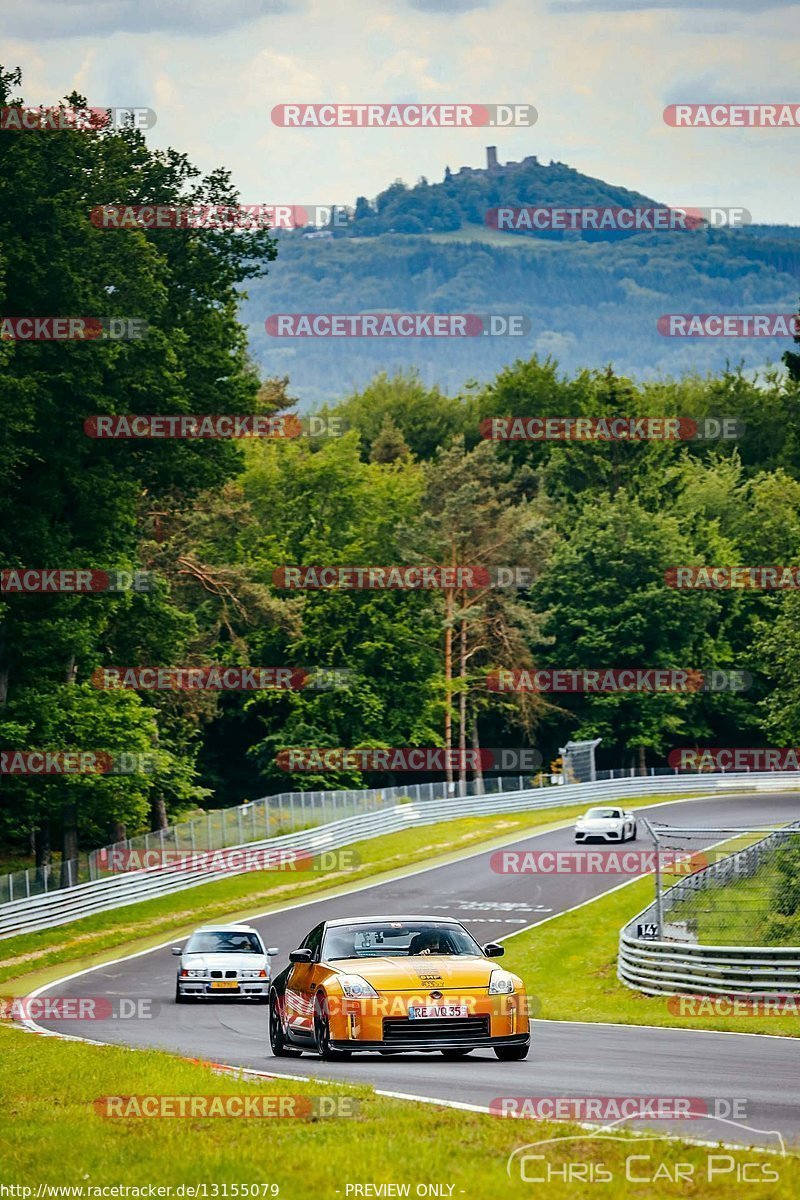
{"x": 272, "y": 950}
{"x": 177, "y": 950}
{"x": 492, "y": 950}
{"x": 300, "y": 956}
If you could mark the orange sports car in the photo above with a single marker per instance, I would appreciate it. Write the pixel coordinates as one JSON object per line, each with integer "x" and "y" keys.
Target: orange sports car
{"x": 396, "y": 984}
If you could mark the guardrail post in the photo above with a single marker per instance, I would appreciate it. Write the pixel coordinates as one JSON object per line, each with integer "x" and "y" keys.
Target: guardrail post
{"x": 659, "y": 896}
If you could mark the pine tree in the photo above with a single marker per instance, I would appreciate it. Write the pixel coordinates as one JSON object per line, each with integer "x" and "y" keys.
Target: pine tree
{"x": 389, "y": 445}
{"x": 790, "y": 359}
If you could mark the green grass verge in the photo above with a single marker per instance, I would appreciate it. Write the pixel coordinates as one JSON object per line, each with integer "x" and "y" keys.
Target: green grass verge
{"x": 55, "y": 1136}
{"x": 569, "y": 964}
{"x": 32, "y": 959}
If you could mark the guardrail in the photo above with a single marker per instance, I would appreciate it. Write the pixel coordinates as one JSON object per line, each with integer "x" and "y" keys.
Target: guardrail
{"x": 224, "y": 828}
{"x": 100, "y": 895}
{"x": 672, "y": 967}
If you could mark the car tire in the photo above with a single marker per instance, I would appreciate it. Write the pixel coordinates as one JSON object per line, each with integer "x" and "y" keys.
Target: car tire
{"x": 634, "y": 833}
{"x": 454, "y": 1054}
{"x": 512, "y": 1053}
{"x": 277, "y": 1042}
{"x": 322, "y": 1034}
{"x": 179, "y": 999}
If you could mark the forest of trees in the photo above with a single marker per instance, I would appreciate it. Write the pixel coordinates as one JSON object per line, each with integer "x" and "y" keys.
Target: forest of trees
{"x": 410, "y": 480}
{"x": 587, "y": 303}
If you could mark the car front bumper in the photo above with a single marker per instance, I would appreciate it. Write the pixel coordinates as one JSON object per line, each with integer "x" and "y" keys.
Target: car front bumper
{"x": 434, "y": 1041}
{"x": 384, "y": 1023}
{"x": 201, "y": 988}
{"x": 599, "y": 835}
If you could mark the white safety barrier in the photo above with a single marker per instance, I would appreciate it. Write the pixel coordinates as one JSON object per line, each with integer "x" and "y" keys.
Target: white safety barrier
{"x": 100, "y": 895}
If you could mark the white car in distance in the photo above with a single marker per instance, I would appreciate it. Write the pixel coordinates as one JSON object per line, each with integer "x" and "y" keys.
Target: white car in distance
{"x": 607, "y": 825}
{"x": 224, "y": 960}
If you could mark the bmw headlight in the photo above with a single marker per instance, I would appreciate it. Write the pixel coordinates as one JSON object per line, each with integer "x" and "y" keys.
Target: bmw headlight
{"x": 198, "y": 974}
{"x": 250, "y": 974}
{"x": 356, "y": 988}
{"x": 501, "y": 983}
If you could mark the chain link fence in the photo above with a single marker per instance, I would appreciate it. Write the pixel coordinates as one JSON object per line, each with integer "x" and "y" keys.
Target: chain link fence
{"x": 218, "y": 829}
{"x": 288, "y": 812}
{"x": 724, "y": 887}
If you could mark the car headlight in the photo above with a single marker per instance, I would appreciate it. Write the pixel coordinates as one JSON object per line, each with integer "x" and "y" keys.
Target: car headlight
{"x": 356, "y": 988}
{"x": 501, "y": 983}
{"x": 252, "y": 974}
{"x": 198, "y": 974}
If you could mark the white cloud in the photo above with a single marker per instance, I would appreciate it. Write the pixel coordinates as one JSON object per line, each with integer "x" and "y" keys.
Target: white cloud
{"x": 56, "y": 19}
{"x": 599, "y": 81}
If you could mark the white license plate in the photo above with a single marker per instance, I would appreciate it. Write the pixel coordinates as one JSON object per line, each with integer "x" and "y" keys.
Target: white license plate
{"x": 438, "y": 1010}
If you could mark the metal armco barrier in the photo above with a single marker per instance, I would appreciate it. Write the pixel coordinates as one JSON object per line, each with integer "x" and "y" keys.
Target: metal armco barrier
{"x": 679, "y": 968}
{"x": 101, "y": 895}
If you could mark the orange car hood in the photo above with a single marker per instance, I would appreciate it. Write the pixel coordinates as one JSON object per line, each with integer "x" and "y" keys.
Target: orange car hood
{"x": 408, "y": 973}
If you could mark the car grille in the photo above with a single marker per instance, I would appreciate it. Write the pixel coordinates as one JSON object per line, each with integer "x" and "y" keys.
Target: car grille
{"x": 223, "y": 974}
{"x": 403, "y": 1029}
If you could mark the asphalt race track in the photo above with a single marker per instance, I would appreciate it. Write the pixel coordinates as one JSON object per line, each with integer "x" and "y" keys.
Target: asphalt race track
{"x": 566, "y": 1059}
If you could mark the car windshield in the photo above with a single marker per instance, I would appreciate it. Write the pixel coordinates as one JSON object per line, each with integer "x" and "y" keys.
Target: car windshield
{"x": 603, "y": 812}
{"x": 404, "y": 939}
{"x": 224, "y": 941}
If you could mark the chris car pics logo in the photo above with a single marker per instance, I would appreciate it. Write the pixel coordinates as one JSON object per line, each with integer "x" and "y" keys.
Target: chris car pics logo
{"x": 613, "y": 1153}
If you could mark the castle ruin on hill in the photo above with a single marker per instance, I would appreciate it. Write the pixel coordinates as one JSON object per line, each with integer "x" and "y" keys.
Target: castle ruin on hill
{"x": 493, "y": 167}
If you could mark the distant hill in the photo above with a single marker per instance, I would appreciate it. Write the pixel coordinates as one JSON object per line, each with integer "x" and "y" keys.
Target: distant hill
{"x": 591, "y": 298}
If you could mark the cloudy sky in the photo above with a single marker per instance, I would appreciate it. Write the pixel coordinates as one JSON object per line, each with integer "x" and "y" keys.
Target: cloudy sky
{"x": 599, "y": 72}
